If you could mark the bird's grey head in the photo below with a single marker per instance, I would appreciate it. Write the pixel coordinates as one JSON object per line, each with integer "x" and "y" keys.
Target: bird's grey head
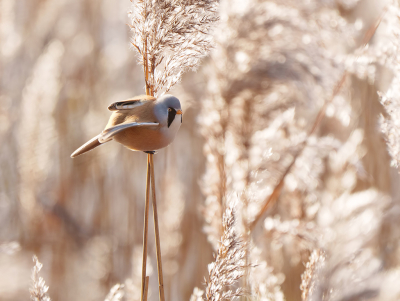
{"x": 168, "y": 109}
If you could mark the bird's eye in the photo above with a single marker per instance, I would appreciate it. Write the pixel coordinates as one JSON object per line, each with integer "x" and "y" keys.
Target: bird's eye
{"x": 169, "y": 109}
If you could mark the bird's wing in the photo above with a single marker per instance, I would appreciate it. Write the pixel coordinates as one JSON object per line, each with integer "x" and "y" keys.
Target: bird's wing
{"x": 109, "y": 133}
{"x": 130, "y": 103}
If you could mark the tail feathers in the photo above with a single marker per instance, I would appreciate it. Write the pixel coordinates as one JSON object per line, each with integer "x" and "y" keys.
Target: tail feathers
{"x": 91, "y": 144}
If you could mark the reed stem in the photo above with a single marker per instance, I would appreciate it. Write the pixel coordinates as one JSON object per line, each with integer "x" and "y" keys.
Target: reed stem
{"x": 143, "y": 296}
{"x": 146, "y": 288}
{"x": 156, "y": 231}
{"x": 150, "y": 169}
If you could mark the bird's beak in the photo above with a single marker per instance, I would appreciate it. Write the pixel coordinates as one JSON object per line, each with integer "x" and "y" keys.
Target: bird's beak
{"x": 179, "y": 112}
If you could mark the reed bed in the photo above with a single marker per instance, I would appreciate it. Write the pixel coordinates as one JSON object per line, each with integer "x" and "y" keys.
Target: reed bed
{"x": 281, "y": 184}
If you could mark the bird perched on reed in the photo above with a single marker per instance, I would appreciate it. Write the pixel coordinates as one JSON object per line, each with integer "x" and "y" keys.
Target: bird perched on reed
{"x": 142, "y": 123}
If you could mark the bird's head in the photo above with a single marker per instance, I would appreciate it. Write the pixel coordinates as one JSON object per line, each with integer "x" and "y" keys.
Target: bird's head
{"x": 168, "y": 110}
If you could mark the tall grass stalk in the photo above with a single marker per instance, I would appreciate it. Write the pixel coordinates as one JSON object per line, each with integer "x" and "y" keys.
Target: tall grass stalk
{"x": 172, "y": 34}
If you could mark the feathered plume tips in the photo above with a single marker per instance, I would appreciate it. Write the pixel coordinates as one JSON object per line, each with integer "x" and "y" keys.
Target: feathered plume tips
{"x": 197, "y": 295}
{"x": 171, "y": 35}
{"x": 116, "y": 293}
{"x": 389, "y": 57}
{"x": 378, "y": 60}
{"x": 229, "y": 264}
{"x": 389, "y": 124}
{"x": 39, "y": 289}
{"x": 309, "y": 277}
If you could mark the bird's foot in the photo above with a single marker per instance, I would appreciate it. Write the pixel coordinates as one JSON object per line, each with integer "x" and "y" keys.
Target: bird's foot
{"x": 150, "y": 152}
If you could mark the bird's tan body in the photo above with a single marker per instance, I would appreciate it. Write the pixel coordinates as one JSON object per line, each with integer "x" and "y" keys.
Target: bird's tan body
{"x": 149, "y": 134}
{"x": 145, "y": 139}
{"x": 140, "y": 139}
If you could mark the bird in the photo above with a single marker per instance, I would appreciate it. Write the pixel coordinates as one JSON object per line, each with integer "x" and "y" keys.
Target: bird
{"x": 142, "y": 123}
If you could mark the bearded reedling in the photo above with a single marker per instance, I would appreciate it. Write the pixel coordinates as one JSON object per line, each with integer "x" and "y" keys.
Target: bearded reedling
{"x": 142, "y": 123}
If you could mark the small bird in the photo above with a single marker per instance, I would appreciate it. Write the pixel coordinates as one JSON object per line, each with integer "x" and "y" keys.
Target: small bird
{"x": 142, "y": 123}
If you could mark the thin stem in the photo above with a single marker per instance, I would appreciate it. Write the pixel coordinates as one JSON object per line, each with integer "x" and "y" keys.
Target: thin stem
{"x": 150, "y": 177}
{"x": 156, "y": 231}
{"x": 145, "y": 231}
{"x": 146, "y": 288}
{"x": 145, "y": 55}
{"x": 146, "y": 68}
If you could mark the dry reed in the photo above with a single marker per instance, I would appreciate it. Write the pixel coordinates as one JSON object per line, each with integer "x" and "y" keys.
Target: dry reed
{"x": 175, "y": 33}
{"x": 172, "y": 36}
{"x": 255, "y": 101}
{"x": 38, "y": 289}
{"x": 229, "y": 265}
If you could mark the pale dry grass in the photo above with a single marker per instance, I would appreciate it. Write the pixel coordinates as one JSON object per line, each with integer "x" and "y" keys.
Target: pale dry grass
{"x": 171, "y": 37}
{"x": 38, "y": 289}
{"x": 252, "y": 131}
{"x": 229, "y": 265}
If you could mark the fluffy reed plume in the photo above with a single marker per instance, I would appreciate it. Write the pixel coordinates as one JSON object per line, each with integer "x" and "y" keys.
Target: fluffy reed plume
{"x": 197, "y": 295}
{"x": 389, "y": 124}
{"x": 276, "y": 156}
{"x": 37, "y": 135}
{"x": 229, "y": 265}
{"x": 351, "y": 270}
{"x": 116, "y": 293}
{"x": 264, "y": 282}
{"x": 252, "y": 131}
{"x": 9, "y": 248}
{"x": 381, "y": 60}
{"x": 386, "y": 54}
{"x": 309, "y": 277}
{"x": 38, "y": 289}
{"x": 171, "y": 37}
{"x": 275, "y": 66}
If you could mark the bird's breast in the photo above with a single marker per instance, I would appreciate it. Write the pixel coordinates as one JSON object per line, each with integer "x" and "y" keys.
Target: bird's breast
{"x": 146, "y": 139}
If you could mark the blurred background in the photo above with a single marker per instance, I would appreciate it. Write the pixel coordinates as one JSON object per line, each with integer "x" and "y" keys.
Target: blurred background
{"x": 251, "y": 130}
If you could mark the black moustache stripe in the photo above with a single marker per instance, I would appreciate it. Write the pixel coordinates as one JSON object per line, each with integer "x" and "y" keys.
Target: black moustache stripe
{"x": 171, "y": 116}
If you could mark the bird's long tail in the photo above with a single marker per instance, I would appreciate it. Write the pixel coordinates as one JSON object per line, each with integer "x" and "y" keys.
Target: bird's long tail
{"x": 91, "y": 144}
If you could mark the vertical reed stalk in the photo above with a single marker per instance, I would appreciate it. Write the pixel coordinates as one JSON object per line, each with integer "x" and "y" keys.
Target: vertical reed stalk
{"x": 151, "y": 182}
{"x": 143, "y": 296}
{"x": 157, "y": 234}
{"x": 146, "y": 288}
{"x": 173, "y": 36}
{"x": 146, "y": 70}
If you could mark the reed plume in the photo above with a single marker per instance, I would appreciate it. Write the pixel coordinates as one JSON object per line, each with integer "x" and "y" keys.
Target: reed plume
{"x": 39, "y": 288}
{"x": 116, "y": 293}
{"x": 197, "y": 295}
{"x": 290, "y": 122}
{"x": 263, "y": 136}
{"x": 176, "y": 34}
{"x": 309, "y": 278}
{"x": 171, "y": 37}
{"x": 229, "y": 265}
{"x": 386, "y": 54}
{"x": 37, "y": 136}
